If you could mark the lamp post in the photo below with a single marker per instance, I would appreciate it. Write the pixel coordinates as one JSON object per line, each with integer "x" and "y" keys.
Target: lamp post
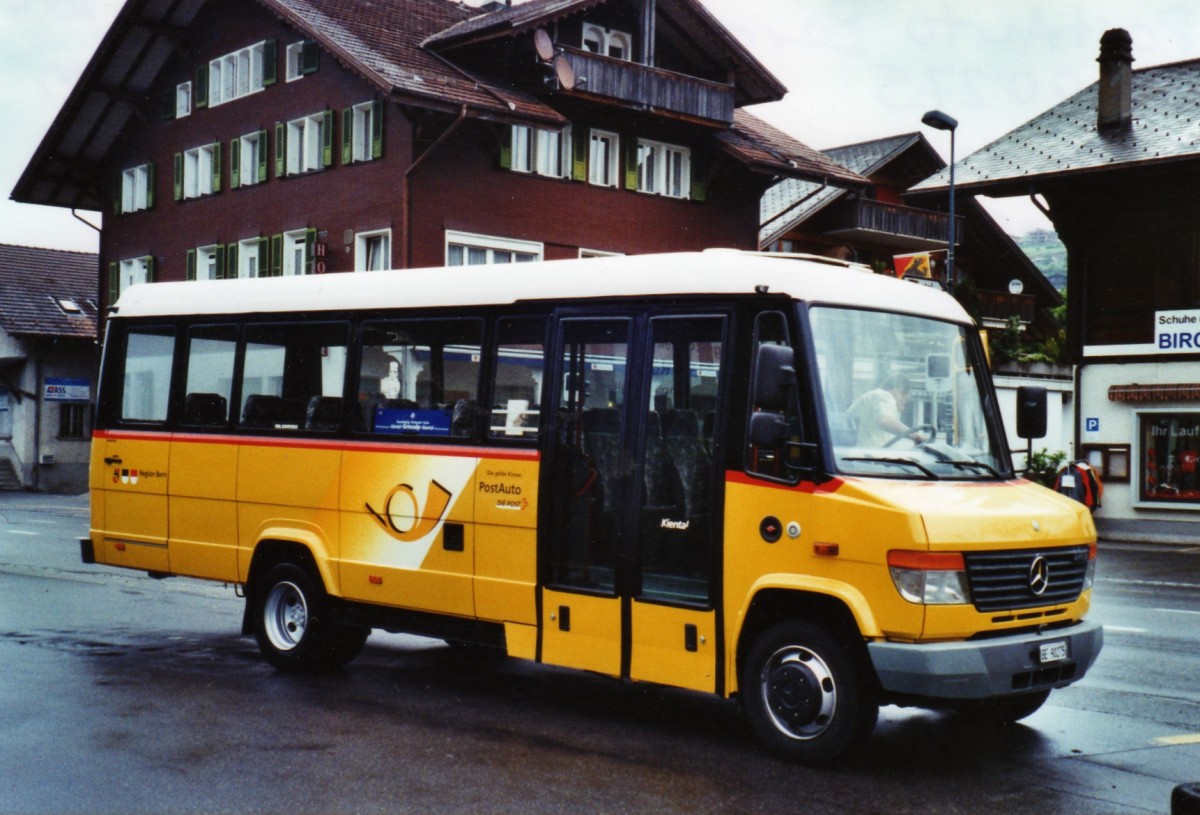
{"x": 941, "y": 121}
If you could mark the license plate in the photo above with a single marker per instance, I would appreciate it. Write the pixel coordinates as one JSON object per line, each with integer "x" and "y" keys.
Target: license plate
{"x": 1054, "y": 652}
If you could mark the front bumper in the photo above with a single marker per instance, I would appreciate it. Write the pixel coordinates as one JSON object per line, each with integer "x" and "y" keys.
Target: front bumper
{"x": 985, "y": 669}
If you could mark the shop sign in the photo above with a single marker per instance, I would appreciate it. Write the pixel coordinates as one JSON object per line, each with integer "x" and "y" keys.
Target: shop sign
{"x": 1177, "y": 332}
{"x": 66, "y": 389}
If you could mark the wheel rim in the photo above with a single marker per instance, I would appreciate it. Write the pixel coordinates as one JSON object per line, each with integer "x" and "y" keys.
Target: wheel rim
{"x": 285, "y": 613}
{"x": 799, "y": 692}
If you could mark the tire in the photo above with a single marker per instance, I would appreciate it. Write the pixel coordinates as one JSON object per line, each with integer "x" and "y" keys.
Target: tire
{"x": 1005, "y": 710}
{"x": 808, "y": 697}
{"x": 293, "y": 625}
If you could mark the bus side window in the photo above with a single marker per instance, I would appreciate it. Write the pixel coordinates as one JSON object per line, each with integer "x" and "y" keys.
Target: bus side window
{"x": 517, "y": 379}
{"x": 420, "y": 377}
{"x": 146, "y": 377}
{"x": 293, "y": 376}
{"x": 774, "y": 418}
{"x": 211, "y": 352}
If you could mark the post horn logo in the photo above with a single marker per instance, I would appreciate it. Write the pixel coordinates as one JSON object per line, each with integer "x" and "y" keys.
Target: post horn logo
{"x": 402, "y": 516}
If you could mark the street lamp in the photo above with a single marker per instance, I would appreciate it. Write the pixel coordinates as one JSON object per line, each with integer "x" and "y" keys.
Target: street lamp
{"x": 941, "y": 121}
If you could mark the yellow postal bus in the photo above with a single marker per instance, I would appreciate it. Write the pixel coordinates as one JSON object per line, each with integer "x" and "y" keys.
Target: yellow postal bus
{"x": 779, "y": 479}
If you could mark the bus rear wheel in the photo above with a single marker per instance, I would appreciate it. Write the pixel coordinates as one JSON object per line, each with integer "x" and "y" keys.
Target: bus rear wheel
{"x": 293, "y": 625}
{"x": 806, "y": 697}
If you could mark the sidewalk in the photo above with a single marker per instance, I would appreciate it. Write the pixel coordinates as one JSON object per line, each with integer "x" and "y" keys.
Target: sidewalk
{"x": 35, "y": 501}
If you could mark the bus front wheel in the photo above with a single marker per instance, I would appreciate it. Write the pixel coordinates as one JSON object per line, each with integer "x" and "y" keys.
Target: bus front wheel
{"x": 805, "y": 695}
{"x": 293, "y": 626}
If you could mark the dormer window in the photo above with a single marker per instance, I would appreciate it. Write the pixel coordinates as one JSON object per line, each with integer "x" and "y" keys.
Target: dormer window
{"x": 607, "y": 41}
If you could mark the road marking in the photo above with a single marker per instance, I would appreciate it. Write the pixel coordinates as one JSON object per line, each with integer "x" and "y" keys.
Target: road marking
{"x": 1173, "y": 741}
{"x": 19, "y": 532}
{"x": 1123, "y": 630}
{"x": 1176, "y": 611}
{"x": 1158, "y": 584}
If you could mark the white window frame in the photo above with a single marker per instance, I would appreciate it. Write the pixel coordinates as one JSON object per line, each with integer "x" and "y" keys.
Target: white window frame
{"x": 365, "y": 257}
{"x": 606, "y": 40}
{"x": 539, "y": 151}
{"x": 135, "y": 188}
{"x": 198, "y": 171}
{"x": 237, "y": 74}
{"x": 183, "y": 99}
{"x": 664, "y": 169}
{"x": 207, "y": 261}
{"x": 295, "y": 61}
{"x": 133, "y": 271}
{"x": 249, "y": 153}
{"x": 363, "y": 131}
{"x": 306, "y": 144}
{"x": 250, "y": 264}
{"x": 604, "y": 171}
{"x": 295, "y": 252}
{"x": 474, "y": 250}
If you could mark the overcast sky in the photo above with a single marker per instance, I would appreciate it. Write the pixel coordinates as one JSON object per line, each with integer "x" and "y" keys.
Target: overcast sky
{"x": 856, "y": 70}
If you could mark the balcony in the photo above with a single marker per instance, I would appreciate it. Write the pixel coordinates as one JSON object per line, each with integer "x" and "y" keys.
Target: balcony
{"x": 893, "y": 225}
{"x": 641, "y": 86}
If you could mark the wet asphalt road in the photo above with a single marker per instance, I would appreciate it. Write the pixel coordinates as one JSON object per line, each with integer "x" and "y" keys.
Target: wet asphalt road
{"x": 119, "y": 693}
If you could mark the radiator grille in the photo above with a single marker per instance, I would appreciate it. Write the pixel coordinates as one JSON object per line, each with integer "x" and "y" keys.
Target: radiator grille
{"x": 1026, "y": 578}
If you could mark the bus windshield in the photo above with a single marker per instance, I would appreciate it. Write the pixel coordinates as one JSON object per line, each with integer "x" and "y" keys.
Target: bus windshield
{"x": 905, "y": 397}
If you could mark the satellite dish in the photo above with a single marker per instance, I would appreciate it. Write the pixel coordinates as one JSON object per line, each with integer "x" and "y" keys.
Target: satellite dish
{"x": 1015, "y": 286}
{"x": 565, "y": 73}
{"x": 543, "y": 45}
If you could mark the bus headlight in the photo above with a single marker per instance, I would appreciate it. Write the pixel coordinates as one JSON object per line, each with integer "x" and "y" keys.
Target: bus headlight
{"x": 930, "y": 578}
{"x": 1089, "y": 576}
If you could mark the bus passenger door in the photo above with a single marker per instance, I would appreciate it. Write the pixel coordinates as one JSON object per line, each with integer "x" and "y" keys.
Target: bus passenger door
{"x": 585, "y": 492}
{"x": 672, "y": 606}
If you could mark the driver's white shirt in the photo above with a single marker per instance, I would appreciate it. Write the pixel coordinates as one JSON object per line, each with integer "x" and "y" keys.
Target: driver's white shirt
{"x": 869, "y": 411}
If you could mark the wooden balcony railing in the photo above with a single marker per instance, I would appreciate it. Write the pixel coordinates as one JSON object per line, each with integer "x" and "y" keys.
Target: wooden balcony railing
{"x": 894, "y": 219}
{"x": 642, "y": 86}
{"x": 998, "y": 305}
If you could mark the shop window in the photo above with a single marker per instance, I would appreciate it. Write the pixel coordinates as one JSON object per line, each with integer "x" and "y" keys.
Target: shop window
{"x": 1170, "y": 457}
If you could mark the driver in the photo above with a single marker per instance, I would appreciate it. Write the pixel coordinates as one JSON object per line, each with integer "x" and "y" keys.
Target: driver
{"x": 877, "y": 413}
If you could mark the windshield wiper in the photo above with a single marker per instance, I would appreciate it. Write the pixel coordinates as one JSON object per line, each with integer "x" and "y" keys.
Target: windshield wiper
{"x": 903, "y": 462}
{"x": 972, "y": 464}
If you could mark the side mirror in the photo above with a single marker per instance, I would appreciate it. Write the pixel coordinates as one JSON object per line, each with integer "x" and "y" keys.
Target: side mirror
{"x": 768, "y": 430}
{"x": 1031, "y": 412}
{"x": 774, "y": 377}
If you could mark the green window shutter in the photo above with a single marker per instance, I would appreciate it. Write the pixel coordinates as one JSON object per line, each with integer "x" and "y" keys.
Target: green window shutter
{"x": 262, "y": 156}
{"x": 118, "y": 193}
{"x": 347, "y": 135}
{"x": 327, "y": 140}
{"x": 506, "y": 143}
{"x": 179, "y": 176}
{"x": 281, "y": 149}
{"x": 216, "y": 167}
{"x": 631, "y": 164}
{"x": 235, "y": 163}
{"x": 276, "y": 268}
{"x": 151, "y": 269}
{"x": 310, "y": 58}
{"x": 168, "y": 104}
{"x": 377, "y": 129}
{"x": 150, "y": 186}
{"x": 191, "y": 264}
{"x": 270, "y": 63}
{"x": 219, "y": 272}
{"x": 310, "y": 250}
{"x": 200, "y": 88}
{"x": 114, "y": 283}
{"x": 231, "y": 262}
{"x": 581, "y": 141}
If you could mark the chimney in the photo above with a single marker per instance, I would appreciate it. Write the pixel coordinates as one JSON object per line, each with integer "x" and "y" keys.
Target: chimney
{"x": 1116, "y": 76}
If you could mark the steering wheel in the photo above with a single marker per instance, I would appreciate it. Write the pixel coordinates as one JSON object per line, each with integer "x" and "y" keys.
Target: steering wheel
{"x": 932, "y": 434}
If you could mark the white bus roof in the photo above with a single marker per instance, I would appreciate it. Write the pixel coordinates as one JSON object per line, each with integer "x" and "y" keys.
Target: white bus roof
{"x": 713, "y": 272}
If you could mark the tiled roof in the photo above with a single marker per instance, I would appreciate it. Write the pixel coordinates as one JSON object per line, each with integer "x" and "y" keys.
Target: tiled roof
{"x": 793, "y": 200}
{"x": 1065, "y": 140}
{"x": 382, "y": 41}
{"x": 508, "y": 19}
{"x": 768, "y": 149}
{"x": 34, "y": 281}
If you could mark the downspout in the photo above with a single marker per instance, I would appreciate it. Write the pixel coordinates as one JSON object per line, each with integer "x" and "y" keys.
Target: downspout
{"x": 406, "y": 189}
